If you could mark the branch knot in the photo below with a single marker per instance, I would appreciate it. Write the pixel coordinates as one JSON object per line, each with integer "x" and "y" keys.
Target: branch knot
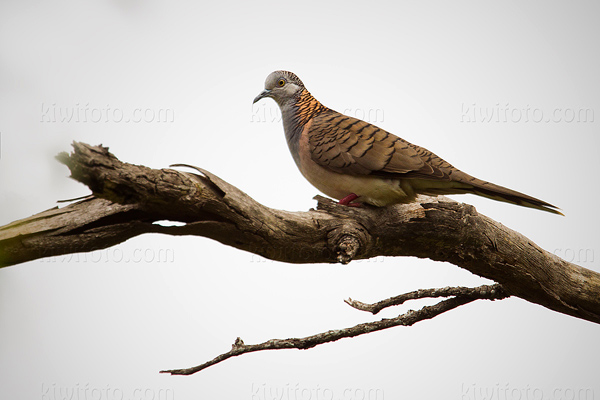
{"x": 348, "y": 247}
{"x": 348, "y": 240}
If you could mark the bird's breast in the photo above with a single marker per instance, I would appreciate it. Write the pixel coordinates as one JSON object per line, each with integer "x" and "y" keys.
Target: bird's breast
{"x": 370, "y": 189}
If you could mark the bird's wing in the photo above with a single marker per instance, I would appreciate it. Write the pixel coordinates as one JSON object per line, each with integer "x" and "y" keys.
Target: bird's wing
{"x": 351, "y": 146}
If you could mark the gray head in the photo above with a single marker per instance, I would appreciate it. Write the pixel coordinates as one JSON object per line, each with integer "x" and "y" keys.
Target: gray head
{"x": 281, "y": 86}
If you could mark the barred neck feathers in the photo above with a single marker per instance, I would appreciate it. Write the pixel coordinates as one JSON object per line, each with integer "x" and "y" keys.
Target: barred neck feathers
{"x": 301, "y": 111}
{"x": 295, "y": 116}
{"x": 307, "y": 107}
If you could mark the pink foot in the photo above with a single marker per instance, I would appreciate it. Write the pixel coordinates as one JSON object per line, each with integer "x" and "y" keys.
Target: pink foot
{"x": 346, "y": 201}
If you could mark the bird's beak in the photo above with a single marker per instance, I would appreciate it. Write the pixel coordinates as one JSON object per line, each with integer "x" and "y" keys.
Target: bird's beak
{"x": 262, "y": 95}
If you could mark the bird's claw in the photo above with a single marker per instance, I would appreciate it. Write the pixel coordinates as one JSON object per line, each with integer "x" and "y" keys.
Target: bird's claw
{"x": 346, "y": 201}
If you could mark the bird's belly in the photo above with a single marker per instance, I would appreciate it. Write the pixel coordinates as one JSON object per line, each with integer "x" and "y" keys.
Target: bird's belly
{"x": 369, "y": 189}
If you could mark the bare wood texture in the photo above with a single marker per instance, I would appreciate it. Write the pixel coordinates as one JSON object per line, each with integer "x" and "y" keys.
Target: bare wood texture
{"x": 129, "y": 198}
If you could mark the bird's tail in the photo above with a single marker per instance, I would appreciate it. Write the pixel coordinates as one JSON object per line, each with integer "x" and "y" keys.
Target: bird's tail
{"x": 497, "y": 192}
{"x": 469, "y": 184}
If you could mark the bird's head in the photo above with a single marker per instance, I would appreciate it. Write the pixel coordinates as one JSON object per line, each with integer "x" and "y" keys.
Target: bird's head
{"x": 281, "y": 86}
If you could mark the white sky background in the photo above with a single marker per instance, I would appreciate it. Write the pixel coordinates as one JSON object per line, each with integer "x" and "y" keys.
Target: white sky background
{"x": 108, "y": 322}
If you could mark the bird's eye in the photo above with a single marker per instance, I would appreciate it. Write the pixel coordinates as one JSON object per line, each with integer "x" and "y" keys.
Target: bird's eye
{"x": 281, "y": 82}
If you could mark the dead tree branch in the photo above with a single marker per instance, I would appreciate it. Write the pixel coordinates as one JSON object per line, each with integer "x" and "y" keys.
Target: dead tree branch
{"x": 460, "y": 297}
{"x": 130, "y": 198}
{"x": 493, "y": 292}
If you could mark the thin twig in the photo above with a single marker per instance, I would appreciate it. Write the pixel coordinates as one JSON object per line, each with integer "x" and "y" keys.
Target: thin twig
{"x": 489, "y": 292}
{"x": 407, "y": 319}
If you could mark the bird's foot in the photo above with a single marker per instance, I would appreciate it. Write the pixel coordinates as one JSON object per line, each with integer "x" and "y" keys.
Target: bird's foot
{"x": 346, "y": 201}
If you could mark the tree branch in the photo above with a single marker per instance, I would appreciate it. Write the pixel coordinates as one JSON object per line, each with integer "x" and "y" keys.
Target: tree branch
{"x": 462, "y": 296}
{"x": 490, "y": 292}
{"x": 130, "y": 198}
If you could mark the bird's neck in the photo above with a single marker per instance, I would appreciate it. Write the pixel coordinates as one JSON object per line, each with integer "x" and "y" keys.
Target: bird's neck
{"x": 306, "y": 107}
{"x": 296, "y": 113}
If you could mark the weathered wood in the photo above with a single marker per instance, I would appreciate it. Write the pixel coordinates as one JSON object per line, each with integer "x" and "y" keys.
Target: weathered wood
{"x": 129, "y": 198}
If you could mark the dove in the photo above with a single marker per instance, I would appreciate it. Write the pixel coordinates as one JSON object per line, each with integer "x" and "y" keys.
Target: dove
{"x": 356, "y": 162}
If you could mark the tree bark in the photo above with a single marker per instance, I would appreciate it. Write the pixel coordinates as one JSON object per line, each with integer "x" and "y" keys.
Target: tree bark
{"x": 128, "y": 199}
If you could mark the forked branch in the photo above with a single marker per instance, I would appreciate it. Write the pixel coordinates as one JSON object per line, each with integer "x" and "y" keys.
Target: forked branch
{"x": 461, "y": 296}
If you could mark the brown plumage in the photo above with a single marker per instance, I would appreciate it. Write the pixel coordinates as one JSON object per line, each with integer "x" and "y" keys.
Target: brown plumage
{"x": 342, "y": 155}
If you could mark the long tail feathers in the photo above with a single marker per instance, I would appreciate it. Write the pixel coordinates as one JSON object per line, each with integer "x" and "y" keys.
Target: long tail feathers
{"x": 501, "y": 193}
{"x": 494, "y": 192}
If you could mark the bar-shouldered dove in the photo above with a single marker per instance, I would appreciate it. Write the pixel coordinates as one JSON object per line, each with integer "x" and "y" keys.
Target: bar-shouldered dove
{"x": 356, "y": 162}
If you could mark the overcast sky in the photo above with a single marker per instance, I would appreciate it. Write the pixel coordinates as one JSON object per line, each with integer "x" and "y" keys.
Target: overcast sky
{"x": 506, "y": 91}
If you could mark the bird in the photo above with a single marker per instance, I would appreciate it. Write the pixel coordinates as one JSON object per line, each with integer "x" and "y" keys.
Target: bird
{"x": 359, "y": 163}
